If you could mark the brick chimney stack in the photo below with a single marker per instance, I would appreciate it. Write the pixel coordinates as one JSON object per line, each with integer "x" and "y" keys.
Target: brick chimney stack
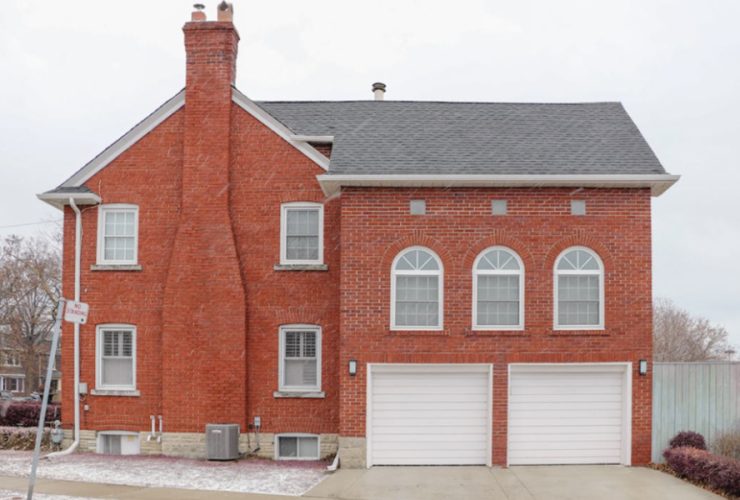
{"x": 204, "y": 311}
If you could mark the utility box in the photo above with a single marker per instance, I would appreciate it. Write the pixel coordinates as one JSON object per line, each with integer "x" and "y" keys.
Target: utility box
{"x": 222, "y": 441}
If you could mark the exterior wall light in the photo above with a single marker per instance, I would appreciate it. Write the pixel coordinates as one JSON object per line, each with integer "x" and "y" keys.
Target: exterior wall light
{"x": 643, "y": 367}
{"x": 353, "y": 367}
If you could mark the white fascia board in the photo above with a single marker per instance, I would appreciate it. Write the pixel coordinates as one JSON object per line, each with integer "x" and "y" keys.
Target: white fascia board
{"x": 58, "y": 200}
{"x": 126, "y": 141}
{"x": 658, "y": 183}
{"x": 281, "y": 130}
{"x": 318, "y": 139}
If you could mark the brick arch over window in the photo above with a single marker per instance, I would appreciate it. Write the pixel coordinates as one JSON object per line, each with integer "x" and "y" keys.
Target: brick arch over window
{"x": 417, "y": 240}
{"x": 497, "y": 240}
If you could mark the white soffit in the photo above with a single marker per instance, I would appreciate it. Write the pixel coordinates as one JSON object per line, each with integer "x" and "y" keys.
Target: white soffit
{"x": 658, "y": 183}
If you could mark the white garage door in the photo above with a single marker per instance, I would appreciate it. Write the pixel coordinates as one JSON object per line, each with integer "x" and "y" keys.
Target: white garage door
{"x": 429, "y": 415}
{"x": 568, "y": 414}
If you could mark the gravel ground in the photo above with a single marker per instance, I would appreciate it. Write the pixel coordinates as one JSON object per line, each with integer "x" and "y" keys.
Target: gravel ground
{"x": 246, "y": 476}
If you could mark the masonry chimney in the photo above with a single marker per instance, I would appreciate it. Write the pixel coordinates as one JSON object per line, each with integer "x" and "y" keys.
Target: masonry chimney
{"x": 379, "y": 91}
{"x": 204, "y": 312}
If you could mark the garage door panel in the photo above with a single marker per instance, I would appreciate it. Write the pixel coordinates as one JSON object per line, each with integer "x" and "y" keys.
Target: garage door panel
{"x": 581, "y": 406}
{"x": 437, "y": 416}
{"x": 561, "y": 415}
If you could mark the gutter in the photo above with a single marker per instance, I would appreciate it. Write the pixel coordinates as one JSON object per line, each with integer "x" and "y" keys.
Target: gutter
{"x": 658, "y": 183}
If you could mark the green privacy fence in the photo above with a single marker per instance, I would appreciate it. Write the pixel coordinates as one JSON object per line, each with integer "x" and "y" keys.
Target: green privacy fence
{"x": 701, "y": 397}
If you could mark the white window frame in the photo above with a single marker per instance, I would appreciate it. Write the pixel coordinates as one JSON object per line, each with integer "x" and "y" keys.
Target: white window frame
{"x": 281, "y": 361}
{"x": 11, "y": 358}
{"x": 21, "y": 381}
{"x": 115, "y": 207}
{"x": 440, "y": 290}
{"x": 600, "y": 273}
{"x": 300, "y": 205}
{"x": 297, "y": 435}
{"x": 99, "y": 356}
{"x": 499, "y": 272}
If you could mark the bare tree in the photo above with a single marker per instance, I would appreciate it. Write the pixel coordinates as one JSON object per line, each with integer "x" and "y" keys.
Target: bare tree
{"x": 679, "y": 336}
{"x": 30, "y": 288}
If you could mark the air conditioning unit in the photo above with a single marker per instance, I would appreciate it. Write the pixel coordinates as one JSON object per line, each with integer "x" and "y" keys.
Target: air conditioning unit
{"x": 222, "y": 441}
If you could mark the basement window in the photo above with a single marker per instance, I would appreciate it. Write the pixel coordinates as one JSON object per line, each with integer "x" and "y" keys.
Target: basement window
{"x": 297, "y": 447}
{"x": 118, "y": 443}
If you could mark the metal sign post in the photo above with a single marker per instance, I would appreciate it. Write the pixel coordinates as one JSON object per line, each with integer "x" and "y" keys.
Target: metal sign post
{"x": 80, "y": 317}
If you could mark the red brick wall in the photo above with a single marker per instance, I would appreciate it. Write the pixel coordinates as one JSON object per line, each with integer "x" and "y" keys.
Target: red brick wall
{"x": 376, "y": 225}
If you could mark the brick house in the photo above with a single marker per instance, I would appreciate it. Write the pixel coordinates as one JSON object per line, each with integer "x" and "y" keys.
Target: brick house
{"x": 402, "y": 282}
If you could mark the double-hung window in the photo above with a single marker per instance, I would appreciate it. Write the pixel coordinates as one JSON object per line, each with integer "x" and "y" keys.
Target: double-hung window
{"x": 416, "y": 290}
{"x": 302, "y": 233}
{"x": 116, "y": 357}
{"x": 300, "y": 358}
{"x": 118, "y": 227}
{"x": 498, "y": 290}
{"x": 579, "y": 290}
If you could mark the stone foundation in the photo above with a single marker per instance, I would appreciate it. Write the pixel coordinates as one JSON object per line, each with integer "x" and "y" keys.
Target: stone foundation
{"x": 193, "y": 445}
{"x": 352, "y": 452}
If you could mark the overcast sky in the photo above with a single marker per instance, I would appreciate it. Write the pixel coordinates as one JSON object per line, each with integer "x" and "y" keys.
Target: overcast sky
{"x": 75, "y": 75}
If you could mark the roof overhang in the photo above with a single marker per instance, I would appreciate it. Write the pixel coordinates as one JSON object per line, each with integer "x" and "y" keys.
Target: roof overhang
{"x": 658, "y": 184}
{"x": 59, "y": 200}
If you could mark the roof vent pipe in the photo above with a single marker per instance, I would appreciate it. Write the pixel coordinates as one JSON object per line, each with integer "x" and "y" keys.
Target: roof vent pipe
{"x": 379, "y": 90}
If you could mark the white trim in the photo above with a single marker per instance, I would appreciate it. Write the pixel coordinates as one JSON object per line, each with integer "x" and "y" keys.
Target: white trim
{"x": 488, "y": 272}
{"x": 114, "y": 207}
{"x": 126, "y": 140}
{"x": 421, "y": 368}
{"x": 601, "y": 273}
{"x": 611, "y": 366}
{"x": 20, "y": 381}
{"x": 318, "y": 139}
{"x": 300, "y": 205}
{"x": 281, "y": 358}
{"x": 59, "y": 200}
{"x": 440, "y": 295}
{"x": 281, "y": 130}
{"x": 99, "y": 329}
{"x": 276, "y": 445}
{"x": 658, "y": 183}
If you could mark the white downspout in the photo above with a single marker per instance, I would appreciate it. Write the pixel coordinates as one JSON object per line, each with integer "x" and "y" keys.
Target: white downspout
{"x": 78, "y": 252}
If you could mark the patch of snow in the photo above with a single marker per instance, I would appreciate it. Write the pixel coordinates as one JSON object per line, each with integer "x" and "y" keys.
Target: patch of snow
{"x": 245, "y": 476}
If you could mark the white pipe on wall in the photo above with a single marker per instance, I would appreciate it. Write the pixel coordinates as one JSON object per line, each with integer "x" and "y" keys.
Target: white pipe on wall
{"x": 78, "y": 254}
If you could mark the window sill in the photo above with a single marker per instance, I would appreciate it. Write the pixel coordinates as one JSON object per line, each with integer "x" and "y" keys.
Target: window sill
{"x": 595, "y": 332}
{"x": 475, "y": 332}
{"x": 112, "y": 392}
{"x": 115, "y": 267}
{"x": 439, "y": 332}
{"x": 297, "y": 394}
{"x": 301, "y": 267}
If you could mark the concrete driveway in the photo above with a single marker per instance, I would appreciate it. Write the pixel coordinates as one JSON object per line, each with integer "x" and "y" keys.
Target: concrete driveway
{"x": 515, "y": 483}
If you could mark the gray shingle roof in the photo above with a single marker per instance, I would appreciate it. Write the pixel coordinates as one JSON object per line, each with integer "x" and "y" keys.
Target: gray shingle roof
{"x": 402, "y": 137}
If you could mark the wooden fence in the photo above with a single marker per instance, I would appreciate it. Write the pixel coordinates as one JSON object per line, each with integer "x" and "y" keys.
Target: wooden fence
{"x": 701, "y": 397}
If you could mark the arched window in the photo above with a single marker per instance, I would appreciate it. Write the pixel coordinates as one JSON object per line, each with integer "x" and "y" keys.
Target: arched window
{"x": 416, "y": 290}
{"x": 498, "y": 290}
{"x": 579, "y": 290}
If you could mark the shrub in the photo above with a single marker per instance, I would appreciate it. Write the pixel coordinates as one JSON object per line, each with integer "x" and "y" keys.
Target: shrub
{"x": 728, "y": 444}
{"x": 688, "y": 438}
{"x": 701, "y": 466}
{"x": 22, "y": 438}
{"x": 26, "y": 414}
